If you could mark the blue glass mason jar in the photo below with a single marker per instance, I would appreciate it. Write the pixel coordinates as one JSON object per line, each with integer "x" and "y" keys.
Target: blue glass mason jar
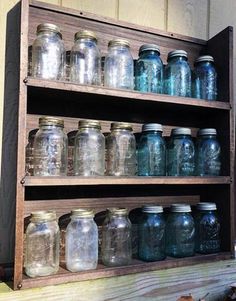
{"x": 208, "y": 153}
{"x": 149, "y": 69}
{"x": 180, "y": 231}
{"x": 181, "y": 153}
{"x": 205, "y": 78}
{"x": 207, "y": 228}
{"x": 177, "y": 78}
{"x": 152, "y": 234}
{"x": 152, "y": 151}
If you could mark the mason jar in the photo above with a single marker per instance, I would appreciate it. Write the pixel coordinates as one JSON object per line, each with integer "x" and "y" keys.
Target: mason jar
{"x": 180, "y": 231}
{"x": 116, "y": 238}
{"x": 152, "y": 234}
{"x": 81, "y": 241}
{"x": 50, "y": 148}
{"x": 85, "y": 59}
{"x": 152, "y": 151}
{"x": 181, "y": 153}
{"x": 205, "y": 78}
{"x": 121, "y": 150}
{"x": 71, "y": 150}
{"x": 29, "y": 156}
{"x": 119, "y": 68}
{"x": 48, "y": 53}
{"x": 89, "y": 149}
{"x": 207, "y": 228}
{"x": 42, "y": 244}
{"x": 208, "y": 153}
{"x": 149, "y": 69}
{"x": 177, "y": 74}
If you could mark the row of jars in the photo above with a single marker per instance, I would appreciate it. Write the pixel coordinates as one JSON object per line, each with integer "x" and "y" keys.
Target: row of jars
{"x": 88, "y": 153}
{"x": 178, "y": 235}
{"x": 117, "y": 69}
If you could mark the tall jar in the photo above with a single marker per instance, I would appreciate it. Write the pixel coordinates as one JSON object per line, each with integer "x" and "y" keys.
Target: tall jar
{"x": 149, "y": 69}
{"x": 207, "y": 228}
{"x": 89, "y": 149}
{"x": 50, "y": 148}
{"x": 208, "y": 153}
{"x": 81, "y": 241}
{"x": 121, "y": 150}
{"x": 177, "y": 74}
{"x": 119, "y": 68}
{"x": 29, "y": 156}
{"x": 116, "y": 238}
{"x": 71, "y": 150}
{"x": 42, "y": 244}
{"x": 85, "y": 59}
{"x": 152, "y": 151}
{"x": 181, "y": 153}
{"x": 48, "y": 53}
{"x": 205, "y": 78}
{"x": 152, "y": 234}
{"x": 180, "y": 231}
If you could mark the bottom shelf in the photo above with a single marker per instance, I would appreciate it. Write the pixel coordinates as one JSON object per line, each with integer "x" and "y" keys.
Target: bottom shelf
{"x": 137, "y": 266}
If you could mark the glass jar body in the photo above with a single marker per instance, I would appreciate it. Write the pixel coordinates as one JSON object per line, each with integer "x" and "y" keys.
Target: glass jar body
{"x": 85, "y": 61}
{"x": 48, "y": 56}
{"x": 50, "y": 151}
{"x": 81, "y": 244}
{"x": 149, "y": 72}
{"x": 29, "y": 154}
{"x": 42, "y": 248}
{"x": 151, "y": 154}
{"x": 89, "y": 152}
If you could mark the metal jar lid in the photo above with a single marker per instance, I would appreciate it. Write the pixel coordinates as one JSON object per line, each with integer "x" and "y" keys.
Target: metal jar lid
{"x": 206, "y": 206}
{"x": 89, "y": 124}
{"x": 85, "y": 34}
{"x": 121, "y": 126}
{"x": 82, "y": 213}
{"x": 119, "y": 42}
{"x": 152, "y": 127}
{"x": 48, "y": 26}
{"x": 152, "y": 47}
{"x": 118, "y": 211}
{"x": 204, "y": 58}
{"x": 180, "y": 131}
{"x": 208, "y": 131}
{"x": 43, "y": 216}
{"x": 177, "y": 53}
{"x": 152, "y": 209}
{"x": 51, "y": 121}
{"x": 180, "y": 208}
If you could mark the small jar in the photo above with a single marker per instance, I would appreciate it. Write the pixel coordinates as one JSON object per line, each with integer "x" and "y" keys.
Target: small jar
{"x": 85, "y": 59}
{"x": 207, "y": 229}
{"x": 71, "y": 150}
{"x": 205, "y": 78}
{"x": 181, "y": 153}
{"x": 81, "y": 241}
{"x": 48, "y": 53}
{"x": 149, "y": 69}
{"x": 177, "y": 74}
{"x": 119, "y": 68}
{"x": 42, "y": 244}
{"x": 50, "y": 148}
{"x": 121, "y": 150}
{"x": 208, "y": 153}
{"x": 180, "y": 231}
{"x": 152, "y": 234}
{"x": 89, "y": 149}
{"x": 152, "y": 151}
{"x": 29, "y": 156}
{"x": 116, "y": 238}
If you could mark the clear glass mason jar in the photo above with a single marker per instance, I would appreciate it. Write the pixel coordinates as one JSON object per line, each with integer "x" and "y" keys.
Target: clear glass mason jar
{"x": 121, "y": 150}
{"x": 29, "y": 156}
{"x": 42, "y": 244}
{"x": 119, "y": 67}
{"x": 181, "y": 153}
{"x": 152, "y": 234}
{"x": 149, "y": 69}
{"x": 152, "y": 151}
{"x": 205, "y": 78}
{"x": 177, "y": 74}
{"x": 81, "y": 241}
{"x": 208, "y": 153}
{"x": 71, "y": 149}
{"x": 116, "y": 238}
{"x": 207, "y": 228}
{"x": 89, "y": 149}
{"x": 85, "y": 59}
{"x": 48, "y": 53}
{"x": 180, "y": 231}
{"x": 50, "y": 148}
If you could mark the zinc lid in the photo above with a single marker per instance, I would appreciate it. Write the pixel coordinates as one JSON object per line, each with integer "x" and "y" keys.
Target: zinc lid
{"x": 121, "y": 125}
{"x": 180, "y": 208}
{"x": 119, "y": 42}
{"x": 206, "y": 206}
{"x": 177, "y": 53}
{"x": 152, "y": 47}
{"x": 118, "y": 211}
{"x": 89, "y": 124}
{"x": 208, "y": 131}
{"x": 41, "y": 216}
{"x": 48, "y": 26}
{"x": 152, "y": 127}
{"x": 152, "y": 209}
{"x": 204, "y": 58}
{"x": 82, "y": 213}
{"x": 180, "y": 131}
{"x": 51, "y": 121}
{"x": 85, "y": 34}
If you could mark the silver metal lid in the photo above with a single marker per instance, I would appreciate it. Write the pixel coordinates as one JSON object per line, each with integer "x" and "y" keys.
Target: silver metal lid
{"x": 119, "y": 42}
{"x": 206, "y": 206}
{"x": 180, "y": 131}
{"x": 204, "y": 58}
{"x": 152, "y": 209}
{"x": 85, "y": 34}
{"x": 121, "y": 126}
{"x": 151, "y": 47}
{"x": 82, "y": 213}
{"x": 180, "y": 208}
{"x": 48, "y": 26}
{"x": 47, "y": 120}
{"x": 209, "y": 131}
{"x": 118, "y": 211}
{"x": 152, "y": 127}
{"x": 89, "y": 124}
{"x": 43, "y": 216}
{"x": 177, "y": 53}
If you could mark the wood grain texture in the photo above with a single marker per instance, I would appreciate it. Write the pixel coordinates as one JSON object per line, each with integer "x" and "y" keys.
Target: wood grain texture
{"x": 55, "y": 2}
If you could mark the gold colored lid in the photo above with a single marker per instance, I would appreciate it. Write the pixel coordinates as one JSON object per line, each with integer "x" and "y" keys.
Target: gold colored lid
{"x": 118, "y": 211}
{"x": 119, "y": 42}
{"x": 85, "y": 34}
{"x": 51, "y": 121}
{"x": 43, "y": 216}
{"x": 48, "y": 26}
{"x": 121, "y": 126}
{"x": 82, "y": 213}
{"x": 89, "y": 124}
